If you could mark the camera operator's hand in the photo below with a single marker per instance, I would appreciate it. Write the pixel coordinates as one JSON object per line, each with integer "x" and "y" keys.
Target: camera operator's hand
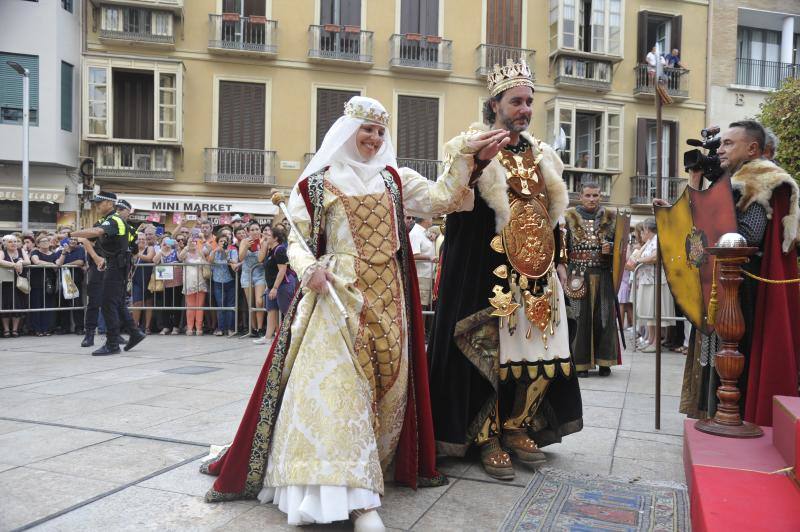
{"x": 658, "y": 202}
{"x": 696, "y": 179}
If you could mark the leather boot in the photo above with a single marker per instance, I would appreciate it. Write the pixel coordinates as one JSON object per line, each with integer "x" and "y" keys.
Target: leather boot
{"x": 88, "y": 340}
{"x": 495, "y": 460}
{"x": 135, "y": 337}
{"x": 522, "y": 447}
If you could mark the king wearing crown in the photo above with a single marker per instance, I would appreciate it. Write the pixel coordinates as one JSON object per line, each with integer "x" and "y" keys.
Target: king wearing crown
{"x": 501, "y": 373}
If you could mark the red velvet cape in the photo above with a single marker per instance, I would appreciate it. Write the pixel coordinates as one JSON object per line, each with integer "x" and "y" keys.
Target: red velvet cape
{"x": 776, "y": 336}
{"x": 415, "y": 459}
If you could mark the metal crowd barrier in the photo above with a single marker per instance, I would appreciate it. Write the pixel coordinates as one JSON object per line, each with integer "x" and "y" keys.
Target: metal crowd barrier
{"x": 636, "y": 315}
{"x": 166, "y": 272}
{"x": 52, "y": 293}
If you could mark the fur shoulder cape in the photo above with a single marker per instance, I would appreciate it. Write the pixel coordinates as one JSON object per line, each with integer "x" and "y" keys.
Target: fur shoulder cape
{"x": 492, "y": 183}
{"x": 756, "y": 181}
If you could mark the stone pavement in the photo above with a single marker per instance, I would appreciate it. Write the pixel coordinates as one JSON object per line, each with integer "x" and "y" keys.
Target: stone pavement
{"x": 114, "y": 443}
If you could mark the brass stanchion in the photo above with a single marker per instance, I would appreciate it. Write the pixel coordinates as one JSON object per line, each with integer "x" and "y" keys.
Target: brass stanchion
{"x": 728, "y": 361}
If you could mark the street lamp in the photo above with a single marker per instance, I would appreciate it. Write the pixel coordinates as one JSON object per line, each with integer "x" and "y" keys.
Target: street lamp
{"x": 25, "y": 73}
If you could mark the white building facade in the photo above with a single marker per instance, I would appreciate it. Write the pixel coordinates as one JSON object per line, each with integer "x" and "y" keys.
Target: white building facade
{"x": 44, "y": 37}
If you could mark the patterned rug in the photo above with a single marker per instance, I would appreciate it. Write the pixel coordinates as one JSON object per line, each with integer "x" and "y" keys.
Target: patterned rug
{"x": 563, "y": 500}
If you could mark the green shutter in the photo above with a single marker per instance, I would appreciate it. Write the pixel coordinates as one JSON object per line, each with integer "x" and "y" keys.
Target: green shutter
{"x": 66, "y": 96}
{"x": 11, "y": 82}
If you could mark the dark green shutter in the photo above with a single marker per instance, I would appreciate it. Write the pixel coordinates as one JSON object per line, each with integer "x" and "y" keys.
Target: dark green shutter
{"x": 11, "y": 82}
{"x": 66, "y": 96}
{"x": 417, "y": 127}
{"x": 330, "y": 106}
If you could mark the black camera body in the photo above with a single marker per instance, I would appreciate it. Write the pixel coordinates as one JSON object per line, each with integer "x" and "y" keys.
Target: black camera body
{"x": 707, "y": 163}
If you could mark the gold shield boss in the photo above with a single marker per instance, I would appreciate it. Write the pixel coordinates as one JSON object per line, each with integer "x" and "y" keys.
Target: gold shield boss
{"x": 528, "y": 237}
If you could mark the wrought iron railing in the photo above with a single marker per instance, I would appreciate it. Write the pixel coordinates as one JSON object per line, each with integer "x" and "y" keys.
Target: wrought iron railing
{"x": 677, "y": 81}
{"x": 418, "y": 51}
{"x": 229, "y": 31}
{"x": 139, "y": 36}
{"x": 574, "y": 178}
{"x": 489, "y": 55}
{"x": 134, "y": 161}
{"x": 764, "y": 74}
{"x": 589, "y": 73}
{"x": 347, "y": 43}
{"x": 644, "y": 189}
{"x": 237, "y": 165}
{"x": 430, "y": 168}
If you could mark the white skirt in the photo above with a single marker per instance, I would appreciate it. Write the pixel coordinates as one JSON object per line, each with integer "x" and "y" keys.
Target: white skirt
{"x": 646, "y": 304}
{"x": 319, "y": 504}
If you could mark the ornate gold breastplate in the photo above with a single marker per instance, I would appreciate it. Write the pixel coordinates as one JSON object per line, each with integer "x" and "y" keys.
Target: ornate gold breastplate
{"x": 529, "y": 246}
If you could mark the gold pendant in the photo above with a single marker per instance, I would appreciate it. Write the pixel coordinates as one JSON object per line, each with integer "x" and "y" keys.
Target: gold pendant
{"x": 502, "y": 302}
{"x": 497, "y": 244}
{"x": 501, "y": 271}
{"x": 538, "y": 310}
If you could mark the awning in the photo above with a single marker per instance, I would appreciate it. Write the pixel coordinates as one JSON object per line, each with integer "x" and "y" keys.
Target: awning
{"x": 53, "y": 195}
{"x": 208, "y": 205}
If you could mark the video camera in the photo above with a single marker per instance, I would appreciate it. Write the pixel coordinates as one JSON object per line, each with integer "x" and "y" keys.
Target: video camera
{"x": 708, "y": 163}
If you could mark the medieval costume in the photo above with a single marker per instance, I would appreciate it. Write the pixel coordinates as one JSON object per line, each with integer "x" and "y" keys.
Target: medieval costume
{"x": 339, "y": 406}
{"x": 590, "y": 288}
{"x": 499, "y": 348}
{"x": 767, "y": 215}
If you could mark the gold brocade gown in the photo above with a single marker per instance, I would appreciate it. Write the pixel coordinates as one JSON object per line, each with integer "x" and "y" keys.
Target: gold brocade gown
{"x": 343, "y": 411}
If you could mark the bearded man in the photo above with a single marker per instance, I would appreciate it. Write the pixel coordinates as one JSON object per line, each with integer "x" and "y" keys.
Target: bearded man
{"x": 501, "y": 373}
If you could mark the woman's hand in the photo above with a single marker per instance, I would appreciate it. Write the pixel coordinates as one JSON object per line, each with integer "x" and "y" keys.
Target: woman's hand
{"x": 273, "y": 294}
{"x": 18, "y": 267}
{"x": 488, "y": 144}
{"x": 318, "y": 282}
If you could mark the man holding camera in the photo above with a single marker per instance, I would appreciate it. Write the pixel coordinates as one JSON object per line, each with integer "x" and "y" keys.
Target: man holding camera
{"x": 767, "y": 216}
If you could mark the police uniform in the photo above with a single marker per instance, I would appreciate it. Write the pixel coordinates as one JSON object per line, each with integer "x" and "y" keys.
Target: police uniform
{"x": 94, "y": 291}
{"x": 114, "y": 246}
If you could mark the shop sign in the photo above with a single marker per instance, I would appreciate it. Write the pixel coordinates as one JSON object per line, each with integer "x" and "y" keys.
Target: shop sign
{"x": 34, "y": 194}
{"x": 205, "y": 205}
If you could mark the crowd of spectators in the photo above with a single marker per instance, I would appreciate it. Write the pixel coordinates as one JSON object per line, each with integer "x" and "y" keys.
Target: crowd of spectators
{"x": 172, "y": 274}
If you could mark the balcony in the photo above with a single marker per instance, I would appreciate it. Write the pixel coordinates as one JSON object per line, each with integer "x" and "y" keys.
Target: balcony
{"x": 574, "y": 178}
{"x": 764, "y": 74}
{"x": 644, "y": 189}
{"x": 141, "y": 37}
{"x": 579, "y": 73}
{"x": 677, "y": 82}
{"x": 240, "y": 166}
{"x": 140, "y": 162}
{"x": 176, "y": 6}
{"x": 348, "y": 45}
{"x": 417, "y": 53}
{"x": 430, "y": 168}
{"x": 489, "y": 55}
{"x": 231, "y": 33}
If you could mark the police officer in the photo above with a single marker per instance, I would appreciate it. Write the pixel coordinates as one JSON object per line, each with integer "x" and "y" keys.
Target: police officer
{"x": 113, "y": 246}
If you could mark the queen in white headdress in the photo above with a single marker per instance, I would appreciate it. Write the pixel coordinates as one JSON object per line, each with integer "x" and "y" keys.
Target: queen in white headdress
{"x": 341, "y": 406}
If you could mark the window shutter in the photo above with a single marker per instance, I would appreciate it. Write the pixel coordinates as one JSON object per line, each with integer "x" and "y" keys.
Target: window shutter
{"x": 503, "y": 22}
{"x": 429, "y": 10}
{"x": 66, "y": 96}
{"x": 673, "y": 149}
{"x": 410, "y": 16}
{"x": 417, "y": 127}
{"x": 257, "y": 8}
{"x": 241, "y": 115}
{"x": 11, "y": 81}
{"x": 326, "y": 13}
{"x": 642, "y": 46}
{"x": 330, "y": 106}
{"x": 350, "y": 12}
{"x": 133, "y": 105}
{"x": 641, "y": 146}
{"x": 676, "y": 32}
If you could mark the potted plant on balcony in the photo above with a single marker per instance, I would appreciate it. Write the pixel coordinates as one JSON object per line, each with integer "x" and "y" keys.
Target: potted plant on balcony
{"x": 230, "y": 17}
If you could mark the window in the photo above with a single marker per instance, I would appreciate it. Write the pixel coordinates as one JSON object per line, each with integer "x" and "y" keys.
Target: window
{"x": 340, "y": 12}
{"x": 242, "y": 107}
{"x": 647, "y": 146}
{"x": 593, "y": 26}
{"x": 758, "y": 56}
{"x": 330, "y": 106}
{"x": 504, "y": 22}
{"x": 67, "y": 5}
{"x": 591, "y": 133}
{"x": 420, "y": 17}
{"x": 11, "y": 88}
{"x": 662, "y": 31}
{"x": 417, "y": 127}
{"x": 139, "y": 21}
{"x": 98, "y": 101}
{"x": 66, "y": 96}
{"x": 132, "y": 103}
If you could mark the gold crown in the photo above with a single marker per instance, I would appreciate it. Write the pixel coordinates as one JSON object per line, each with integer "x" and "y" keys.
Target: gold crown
{"x": 511, "y": 75}
{"x": 359, "y": 111}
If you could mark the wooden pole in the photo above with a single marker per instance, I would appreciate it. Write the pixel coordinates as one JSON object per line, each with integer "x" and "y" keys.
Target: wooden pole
{"x": 660, "y": 194}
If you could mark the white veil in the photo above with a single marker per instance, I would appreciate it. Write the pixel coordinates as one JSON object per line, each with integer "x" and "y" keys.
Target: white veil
{"x": 339, "y": 149}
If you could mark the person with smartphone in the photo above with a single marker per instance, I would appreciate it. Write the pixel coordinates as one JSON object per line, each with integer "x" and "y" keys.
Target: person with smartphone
{"x": 254, "y": 280}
